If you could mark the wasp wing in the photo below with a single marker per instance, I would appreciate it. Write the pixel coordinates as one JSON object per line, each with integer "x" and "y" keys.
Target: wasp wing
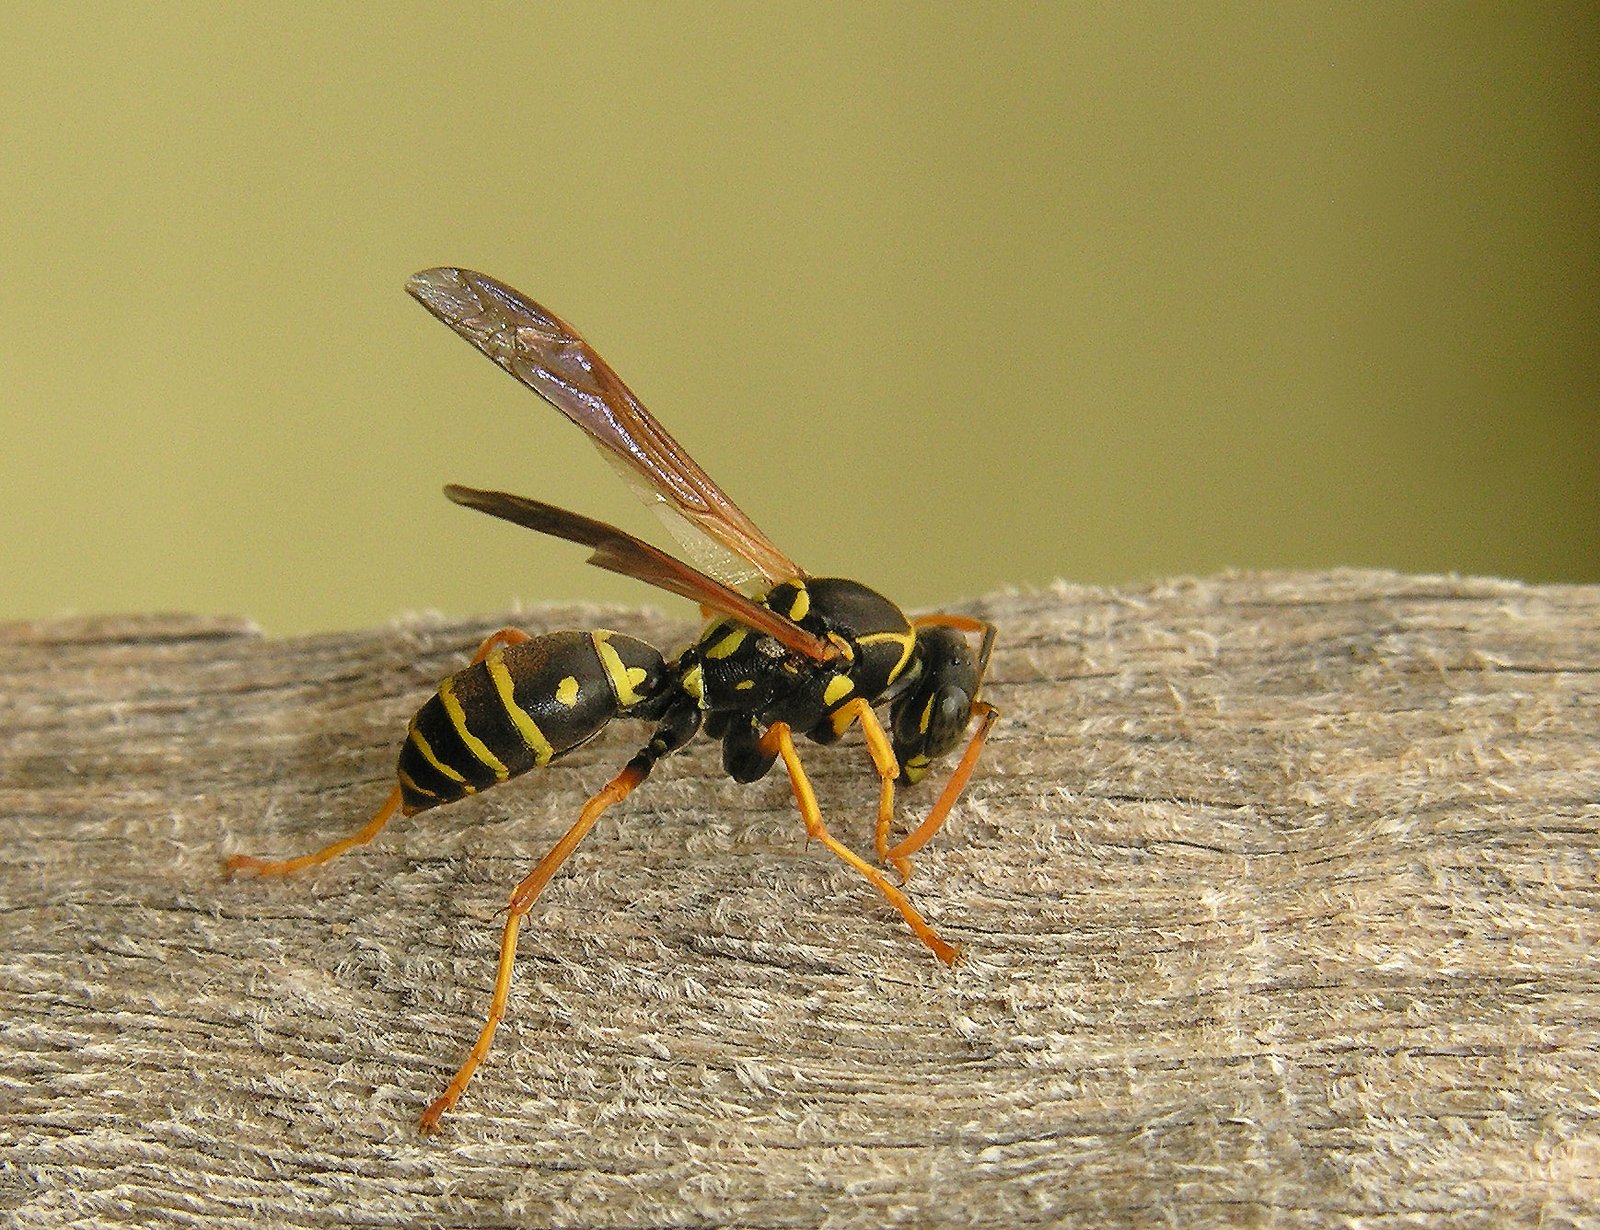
{"x": 618, "y": 551}
{"x": 544, "y": 353}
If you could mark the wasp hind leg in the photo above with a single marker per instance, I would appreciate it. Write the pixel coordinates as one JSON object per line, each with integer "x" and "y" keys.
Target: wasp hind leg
{"x": 677, "y": 727}
{"x": 502, "y": 639}
{"x": 779, "y": 738}
{"x": 522, "y": 900}
{"x": 391, "y": 806}
{"x": 288, "y": 866}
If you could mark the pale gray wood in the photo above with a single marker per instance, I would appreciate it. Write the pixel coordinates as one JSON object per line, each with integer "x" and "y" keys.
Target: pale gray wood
{"x": 1278, "y": 896}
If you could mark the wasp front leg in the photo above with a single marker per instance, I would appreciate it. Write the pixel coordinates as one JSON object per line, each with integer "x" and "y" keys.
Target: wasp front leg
{"x": 900, "y": 854}
{"x": 931, "y": 718}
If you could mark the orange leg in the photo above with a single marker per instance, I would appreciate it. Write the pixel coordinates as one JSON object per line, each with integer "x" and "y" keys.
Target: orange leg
{"x": 779, "y": 739}
{"x": 900, "y": 855}
{"x": 499, "y": 640}
{"x": 883, "y": 760}
{"x": 522, "y": 900}
{"x": 287, "y": 866}
{"x": 386, "y": 813}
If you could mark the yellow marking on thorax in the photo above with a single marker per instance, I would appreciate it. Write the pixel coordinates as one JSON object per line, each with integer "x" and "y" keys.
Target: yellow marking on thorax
{"x": 458, "y": 719}
{"x": 908, "y": 642}
{"x": 728, "y": 644}
{"x": 744, "y": 685}
{"x": 694, "y": 683}
{"x": 838, "y": 688}
{"x": 543, "y": 753}
{"x": 801, "y": 603}
{"x": 625, "y": 679}
{"x": 415, "y": 736}
{"x": 567, "y": 691}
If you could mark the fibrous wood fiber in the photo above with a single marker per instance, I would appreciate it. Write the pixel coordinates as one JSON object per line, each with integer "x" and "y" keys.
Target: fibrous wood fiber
{"x": 1278, "y": 896}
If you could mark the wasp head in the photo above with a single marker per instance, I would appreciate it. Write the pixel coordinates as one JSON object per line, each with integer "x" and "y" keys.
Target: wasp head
{"x": 929, "y": 718}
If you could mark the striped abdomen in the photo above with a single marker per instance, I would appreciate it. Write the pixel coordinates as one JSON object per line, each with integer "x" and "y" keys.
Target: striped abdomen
{"x": 520, "y": 708}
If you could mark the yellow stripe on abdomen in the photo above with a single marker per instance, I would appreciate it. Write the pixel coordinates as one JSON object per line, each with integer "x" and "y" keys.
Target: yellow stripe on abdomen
{"x": 422, "y": 746}
{"x": 475, "y": 745}
{"x": 526, "y": 726}
{"x": 625, "y": 679}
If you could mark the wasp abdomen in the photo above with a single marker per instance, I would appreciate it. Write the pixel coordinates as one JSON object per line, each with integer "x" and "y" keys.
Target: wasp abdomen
{"x": 519, "y": 709}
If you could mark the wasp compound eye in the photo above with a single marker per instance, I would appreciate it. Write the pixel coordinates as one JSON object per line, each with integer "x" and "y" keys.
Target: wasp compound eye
{"x": 947, "y": 721}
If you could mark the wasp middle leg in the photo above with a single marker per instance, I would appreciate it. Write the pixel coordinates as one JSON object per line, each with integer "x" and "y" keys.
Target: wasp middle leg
{"x": 779, "y": 740}
{"x": 884, "y": 762}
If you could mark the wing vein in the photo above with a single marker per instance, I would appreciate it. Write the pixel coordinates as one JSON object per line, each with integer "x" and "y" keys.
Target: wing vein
{"x": 542, "y": 352}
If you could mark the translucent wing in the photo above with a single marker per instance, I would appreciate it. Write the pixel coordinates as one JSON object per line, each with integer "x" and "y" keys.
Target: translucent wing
{"x": 618, "y": 551}
{"x": 545, "y": 354}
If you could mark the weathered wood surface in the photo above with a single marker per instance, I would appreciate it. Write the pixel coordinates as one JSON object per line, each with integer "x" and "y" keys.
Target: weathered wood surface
{"x": 1278, "y": 896}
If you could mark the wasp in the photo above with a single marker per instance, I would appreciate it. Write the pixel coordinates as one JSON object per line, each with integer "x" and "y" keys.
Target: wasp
{"x": 782, "y": 652}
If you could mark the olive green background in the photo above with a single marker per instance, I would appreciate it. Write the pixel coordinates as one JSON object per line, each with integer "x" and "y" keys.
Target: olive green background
{"x": 948, "y": 297}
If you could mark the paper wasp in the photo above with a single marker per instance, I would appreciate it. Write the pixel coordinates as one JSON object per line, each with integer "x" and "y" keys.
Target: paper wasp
{"x": 808, "y": 654}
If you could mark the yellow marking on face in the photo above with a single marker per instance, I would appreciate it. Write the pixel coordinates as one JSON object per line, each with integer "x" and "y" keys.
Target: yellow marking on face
{"x": 915, "y": 768}
{"x": 801, "y": 603}
{"x": 532, "y": 736}
{"x": 405, "y": 780}
{"x": 838, "y": 688}
{"x": 625, "y": 679}
{"x": 694, "y": 683}
{"x": 415, "y": 736}
{"x": 728, "y": 644}
{"x": 927, "y": 716}
{"x": 567, "y": 691}
{"x": 907, "y": 640}
{"x": 458, "y": 719}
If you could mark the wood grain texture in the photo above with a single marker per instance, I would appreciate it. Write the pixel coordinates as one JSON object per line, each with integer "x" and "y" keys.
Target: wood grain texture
{"x": 1278, "y": 896}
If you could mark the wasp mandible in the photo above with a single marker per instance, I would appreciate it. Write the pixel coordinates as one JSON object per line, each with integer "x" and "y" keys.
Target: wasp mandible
{"x": 816, "y": 655}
